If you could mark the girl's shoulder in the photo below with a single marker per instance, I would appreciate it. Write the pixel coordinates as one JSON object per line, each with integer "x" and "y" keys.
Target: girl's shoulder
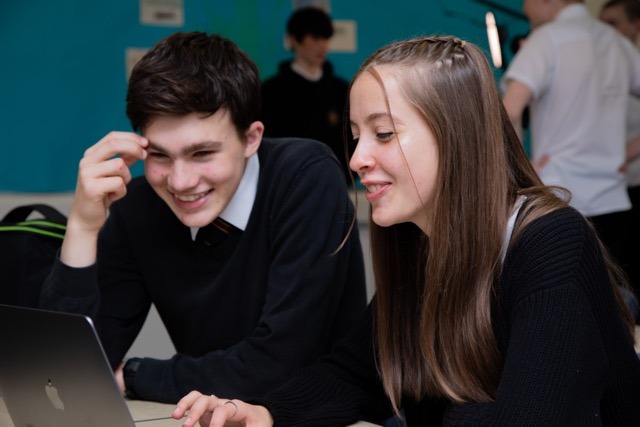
{"x": 554, "y": 248}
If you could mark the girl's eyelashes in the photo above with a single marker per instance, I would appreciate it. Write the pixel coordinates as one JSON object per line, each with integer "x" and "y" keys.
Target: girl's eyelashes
{"x": 381, "y": 136}
{"x": 384, "y": 136}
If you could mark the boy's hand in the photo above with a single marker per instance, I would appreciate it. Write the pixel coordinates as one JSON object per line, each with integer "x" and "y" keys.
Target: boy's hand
{"x": 102, "y": 178}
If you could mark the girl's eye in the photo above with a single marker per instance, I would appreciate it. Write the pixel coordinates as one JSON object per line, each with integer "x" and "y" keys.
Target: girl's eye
{"x": 384, "y": 136}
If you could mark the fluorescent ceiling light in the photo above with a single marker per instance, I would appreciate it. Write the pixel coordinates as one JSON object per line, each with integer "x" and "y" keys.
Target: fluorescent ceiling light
{"x": 494, "y": 40}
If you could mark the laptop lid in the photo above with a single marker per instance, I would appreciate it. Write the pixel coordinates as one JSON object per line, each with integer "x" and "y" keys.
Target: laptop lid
{"x": 54, "y": 373}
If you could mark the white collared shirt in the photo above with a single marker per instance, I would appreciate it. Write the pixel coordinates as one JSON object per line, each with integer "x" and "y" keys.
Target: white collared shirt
{"x": 239, "y": 207}
{"x": 304, "y": 73}
{"x": 580, "y": 73}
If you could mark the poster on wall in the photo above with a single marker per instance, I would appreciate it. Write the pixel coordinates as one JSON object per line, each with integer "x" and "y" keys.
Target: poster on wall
{"x": 131, "y": 57}
{"x": 344, "y": 36}
{"x": 166, "y": 13}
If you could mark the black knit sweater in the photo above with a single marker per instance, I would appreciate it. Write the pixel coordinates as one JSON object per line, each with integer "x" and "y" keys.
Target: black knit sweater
{"x": 243, "y": 310}
{"x": 568, "y": 357}
{"x": 295, "y": 106}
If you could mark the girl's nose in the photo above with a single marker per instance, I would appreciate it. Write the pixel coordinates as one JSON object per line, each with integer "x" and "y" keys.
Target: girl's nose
{"x": 361, "y": 160}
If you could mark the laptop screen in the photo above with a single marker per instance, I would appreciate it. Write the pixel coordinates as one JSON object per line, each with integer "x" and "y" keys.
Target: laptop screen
{"x": 54, "y": 372}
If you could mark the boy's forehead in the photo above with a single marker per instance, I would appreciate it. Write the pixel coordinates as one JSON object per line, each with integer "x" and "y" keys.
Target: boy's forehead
{"x": 188, "y": 147}
{"x": 191, "y": 132}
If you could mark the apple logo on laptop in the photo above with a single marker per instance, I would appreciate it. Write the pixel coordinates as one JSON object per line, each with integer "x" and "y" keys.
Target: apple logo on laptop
{"x": 52, "y": 394}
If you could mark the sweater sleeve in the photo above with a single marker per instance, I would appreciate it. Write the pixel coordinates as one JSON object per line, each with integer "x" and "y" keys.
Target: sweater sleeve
{"x": 72, "y": 290}
{"x": 566, "y": 344}
{"x": 306, "y": 290}
{"x": 341, "y": 388}
{"x": 118, "y": 305}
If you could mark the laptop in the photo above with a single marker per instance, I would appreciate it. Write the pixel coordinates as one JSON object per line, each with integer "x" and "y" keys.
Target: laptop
{"x": 54, "y": 372}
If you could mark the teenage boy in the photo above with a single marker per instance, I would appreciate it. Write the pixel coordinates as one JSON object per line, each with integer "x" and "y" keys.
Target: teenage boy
{"x": 305, "y": 98}
{"x": 240, "y": 242}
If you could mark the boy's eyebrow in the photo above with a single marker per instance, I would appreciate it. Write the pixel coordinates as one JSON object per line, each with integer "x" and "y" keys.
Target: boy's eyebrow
{"x": 198, "y": 146}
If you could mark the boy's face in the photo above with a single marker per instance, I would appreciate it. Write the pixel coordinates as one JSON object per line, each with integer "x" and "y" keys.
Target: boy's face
{"x": 311, "y": 51}
{"x": 195, "y": 162}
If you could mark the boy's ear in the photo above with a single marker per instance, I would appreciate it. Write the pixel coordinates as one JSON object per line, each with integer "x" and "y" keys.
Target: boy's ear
{"x": 253, "y": 138}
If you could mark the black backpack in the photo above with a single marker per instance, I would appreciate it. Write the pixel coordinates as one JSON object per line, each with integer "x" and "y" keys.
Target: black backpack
{"x": 28, "y": 247}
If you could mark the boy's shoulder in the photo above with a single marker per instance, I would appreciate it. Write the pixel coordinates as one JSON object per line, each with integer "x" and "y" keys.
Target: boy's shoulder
{"x": 285, "y": 161}
{"x": 292, "y": 151}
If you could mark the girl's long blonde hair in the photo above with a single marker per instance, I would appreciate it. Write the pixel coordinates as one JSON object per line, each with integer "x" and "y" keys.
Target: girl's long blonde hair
{"x": 434, "y": 294}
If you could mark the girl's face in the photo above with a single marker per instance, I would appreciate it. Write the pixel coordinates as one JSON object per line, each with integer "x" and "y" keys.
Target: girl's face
{"x": 396, "y": 155}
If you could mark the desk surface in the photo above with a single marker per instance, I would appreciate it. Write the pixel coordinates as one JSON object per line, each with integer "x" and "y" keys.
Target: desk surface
{"x": 152, "y": 414}
{"x": 155, "y": 415}
{"x": 146, "y": 414}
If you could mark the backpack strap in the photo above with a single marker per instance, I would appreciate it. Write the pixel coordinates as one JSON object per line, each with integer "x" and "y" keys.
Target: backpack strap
{"x": 21, "y": 213}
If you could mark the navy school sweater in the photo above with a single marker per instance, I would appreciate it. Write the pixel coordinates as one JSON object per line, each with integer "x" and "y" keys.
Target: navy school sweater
{"x": 244, "y": 310}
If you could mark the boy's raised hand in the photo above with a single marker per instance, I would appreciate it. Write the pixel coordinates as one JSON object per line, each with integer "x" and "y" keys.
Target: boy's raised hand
{"x": 102, "y": 178}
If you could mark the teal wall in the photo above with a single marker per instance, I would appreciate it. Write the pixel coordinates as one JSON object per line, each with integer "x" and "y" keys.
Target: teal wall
{"x": 63, "y": 77}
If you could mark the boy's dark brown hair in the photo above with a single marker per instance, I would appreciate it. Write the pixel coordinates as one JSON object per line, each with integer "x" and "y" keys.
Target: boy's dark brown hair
{"x": 631, "y": 7}
{"x": 191, "y": 72}
{"x": 309, "y": 20}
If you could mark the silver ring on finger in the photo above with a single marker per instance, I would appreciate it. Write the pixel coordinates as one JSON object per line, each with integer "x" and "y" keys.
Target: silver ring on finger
{"x": 235, "y": 406}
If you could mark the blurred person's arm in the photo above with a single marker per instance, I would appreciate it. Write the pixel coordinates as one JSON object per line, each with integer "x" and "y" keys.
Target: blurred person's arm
{"x": 633, "y": 148}
{"x": 516, "y": 98}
